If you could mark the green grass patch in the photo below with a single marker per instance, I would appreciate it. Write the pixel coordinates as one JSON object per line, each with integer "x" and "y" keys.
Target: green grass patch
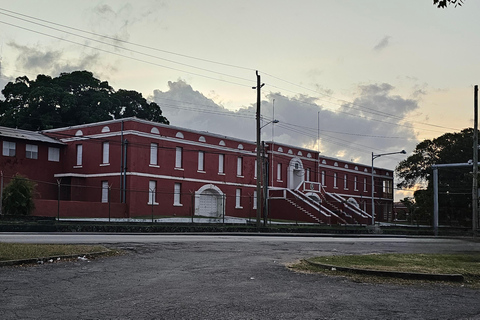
{"x": 20, "y": 251}
{"x": 467, "y": 264}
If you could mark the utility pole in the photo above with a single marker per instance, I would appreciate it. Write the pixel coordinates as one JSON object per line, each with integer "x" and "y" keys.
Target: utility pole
{"x": 259, "y": 159}
{"x": 475, "y": 162}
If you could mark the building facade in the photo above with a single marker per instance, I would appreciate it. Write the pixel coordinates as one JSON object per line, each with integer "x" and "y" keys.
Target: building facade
{"x": 141, "y": 169}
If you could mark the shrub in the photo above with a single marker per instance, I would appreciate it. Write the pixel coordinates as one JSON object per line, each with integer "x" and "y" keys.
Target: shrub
{"x": 18, "y": 196}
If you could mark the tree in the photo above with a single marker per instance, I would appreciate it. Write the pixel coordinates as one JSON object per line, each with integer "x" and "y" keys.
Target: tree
{"x": 445, "y": 3}
{"x": 70, "y": 99}
{"x": 454, "y": 183}
{"x": 18, "y": 197}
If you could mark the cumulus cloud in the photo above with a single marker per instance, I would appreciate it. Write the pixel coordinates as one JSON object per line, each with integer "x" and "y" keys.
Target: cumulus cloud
{"x": 382, "y": 44}
{"x": 351, "y": 132}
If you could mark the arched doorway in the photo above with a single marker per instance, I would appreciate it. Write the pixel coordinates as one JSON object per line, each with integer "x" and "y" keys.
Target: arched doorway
{"x": 209, "y": 201}
{"x": 296, "y": 173}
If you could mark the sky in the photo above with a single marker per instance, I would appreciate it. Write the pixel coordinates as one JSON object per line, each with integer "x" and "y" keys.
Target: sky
{"x": 344, "y": 77}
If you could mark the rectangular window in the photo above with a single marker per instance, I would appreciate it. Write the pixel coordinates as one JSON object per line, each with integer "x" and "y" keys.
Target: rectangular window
{"x": 178, "y": 157}
{"x": 201, "y": 161}
{"x": 221, "y": 163}
{"x": 53, "y": 154}
{"x": 255, "y": 173}
{"x": 104, "y": 191}
{"x": 8, "y": 149}
{"x": 307, "y": 174}
{"x": 238, "y": 197}
{"x": 153, "y": 154}
{"x": 355, "y": 183}
{"x": 152, "y": 190}
{"x": 31, "y": 151}
{"x": 279, "y": 171}
{"x": 345, "y": 182}
{"x": 335, "y": 180}
{"x": 177, "y": 192}
{"x": 364, "y": 184}
{"x": 323, "y": 178}
{"x": 79, "y": 154}
{"x": 255, "y": 199}
{"x": 239, "y": 166}
{"x": 106, "y": 153}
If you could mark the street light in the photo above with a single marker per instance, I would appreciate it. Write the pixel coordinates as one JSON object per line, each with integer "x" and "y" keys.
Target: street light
{"x": 264, "y": 177}
{"x": 375, "y": 156}
{"x": 266, "y": 124}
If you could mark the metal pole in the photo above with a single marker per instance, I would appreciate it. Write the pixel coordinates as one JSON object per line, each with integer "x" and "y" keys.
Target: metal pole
{"x": 58, "y": 201}
{"x": 373, "y": 194}
{"x": 1, "y": 192}
{"x": 475, "y": 163}
{"x": 109, "y": 203}
{"x": 435, "y": 200}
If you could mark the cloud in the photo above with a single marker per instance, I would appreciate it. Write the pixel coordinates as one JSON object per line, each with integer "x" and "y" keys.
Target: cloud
{"x": 382, "y": 44}
{"x": 353, "y": 131}
{"x": 49, "y": 61}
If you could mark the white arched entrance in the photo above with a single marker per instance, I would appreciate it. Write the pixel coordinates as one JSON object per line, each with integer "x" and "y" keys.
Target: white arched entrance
{"x": 209, "y": 201}
{"x": 296, "y": 173}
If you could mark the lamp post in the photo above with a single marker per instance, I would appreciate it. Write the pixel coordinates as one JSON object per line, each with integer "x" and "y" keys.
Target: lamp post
{"x": 375, "y": 156}
{"x": 264, "y": 177}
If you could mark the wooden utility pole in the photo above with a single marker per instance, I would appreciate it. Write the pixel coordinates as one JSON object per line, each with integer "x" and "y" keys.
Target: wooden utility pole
{"x": 475, "y": 162}
{"x": 259, "y": 153}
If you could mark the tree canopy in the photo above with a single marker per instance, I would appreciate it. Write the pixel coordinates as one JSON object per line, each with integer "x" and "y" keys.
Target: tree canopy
{"x": 445, "y": 3}
{"x": 454, "y": 183}
{"x": 70, "y": 99}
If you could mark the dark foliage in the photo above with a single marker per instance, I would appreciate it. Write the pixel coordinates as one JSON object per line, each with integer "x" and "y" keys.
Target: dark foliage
{"x": 70, "y": 99}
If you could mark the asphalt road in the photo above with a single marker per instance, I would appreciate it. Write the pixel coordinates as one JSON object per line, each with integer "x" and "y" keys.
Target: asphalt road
{"x": 223, "y": 277}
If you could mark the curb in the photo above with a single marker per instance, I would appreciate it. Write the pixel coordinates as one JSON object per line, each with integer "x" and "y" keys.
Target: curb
{"x": 393, "y": 274}
{"x": 44, "y": 259}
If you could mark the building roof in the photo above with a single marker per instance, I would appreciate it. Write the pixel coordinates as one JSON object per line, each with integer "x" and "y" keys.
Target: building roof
{"x": 27, "y": 135}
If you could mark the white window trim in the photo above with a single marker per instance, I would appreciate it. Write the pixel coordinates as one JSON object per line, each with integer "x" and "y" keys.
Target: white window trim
{"x": 240, "y": 167}
{"x": 238, "y": 199}
{"x": 178, "y": 158}
{"x": 221, "y": 164}
{"x": 177, "y": 195}
{"x": 152, "y": 196}
{"x": 105, "y": 153}
{"x": 105, "y": 190}
{"x": 79, "y": 156}
{"x": 32, "y": 152}
{"x": 154, "y": 155}
{"x": 7, "y": 147}
{"x": 201, "y": 162}
{"x": 52, "y": 151}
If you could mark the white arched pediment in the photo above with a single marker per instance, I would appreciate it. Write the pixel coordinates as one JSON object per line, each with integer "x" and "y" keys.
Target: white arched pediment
{"x": 296, "y": 173}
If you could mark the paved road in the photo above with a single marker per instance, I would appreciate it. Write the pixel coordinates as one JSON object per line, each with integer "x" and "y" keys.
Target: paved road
{"x": 223, "y": 277}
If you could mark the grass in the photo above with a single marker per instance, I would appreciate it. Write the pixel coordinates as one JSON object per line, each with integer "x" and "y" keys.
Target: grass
{"x": 467, "y": 264}
{"x": 20, "y": 251}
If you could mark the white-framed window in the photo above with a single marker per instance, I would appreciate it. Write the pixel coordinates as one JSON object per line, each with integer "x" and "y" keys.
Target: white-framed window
{"x": 31, "y": 151}
{"x": 152, "y": 191}
{"x": 307, "y": 174}
{"x": 239, "y": 167}
{"x": 201, "y": 161}
{"x": 153, "y": 154}
{"x": 323, "y": 178}
{"x": 255, "y": 172}
{"x": 53, "y": 154}
{"x": 177, "y": 192}
{"x": 238, "y": 198}
{"x": 355, "y": 183}
{"x": 255, "y": 199}
{"x": 79, "y": 154}
{"x": 106, "y": 153}
{"x": 104, "y": 191}
{"x": 345, "y": 182}
{"x": 8, "y": 149}
{"x": 178, "y": 157}
{"x": 335, "y": 180}
{"x": 221, "y": 163}
{"x": 364, "y": 184}
{"x": 279, "y": 172}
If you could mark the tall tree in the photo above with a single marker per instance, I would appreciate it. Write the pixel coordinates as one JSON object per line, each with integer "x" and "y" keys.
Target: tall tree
{"x": 70, "y": 99}
{"x": 454, "y": 183}
{"x": 445, "y": 3}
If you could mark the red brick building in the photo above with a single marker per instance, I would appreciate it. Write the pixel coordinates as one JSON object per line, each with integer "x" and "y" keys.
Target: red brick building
{"x": 137, "y": 168}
